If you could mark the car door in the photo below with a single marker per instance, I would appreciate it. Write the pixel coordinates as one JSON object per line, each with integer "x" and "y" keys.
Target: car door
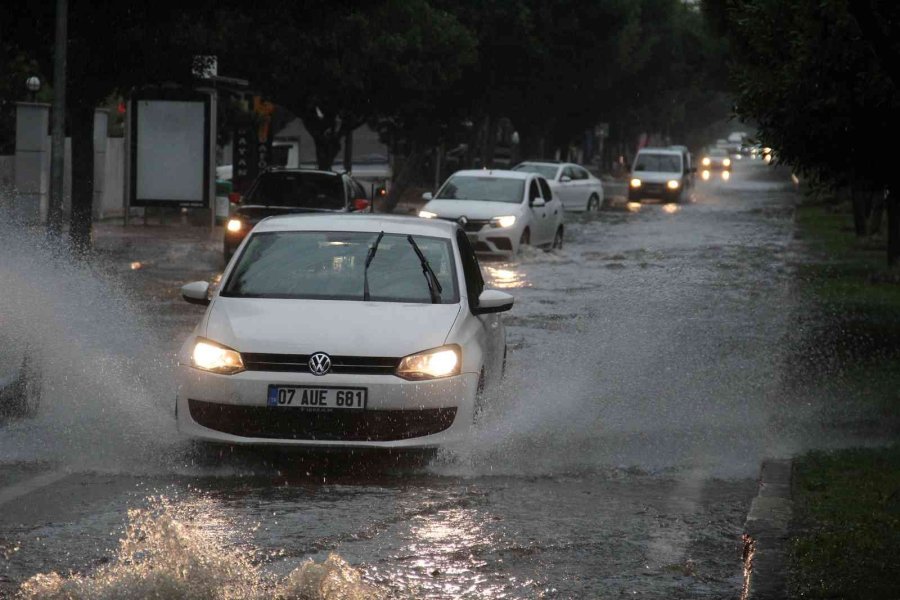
{"x": 538, "y": 207}
{"x": 489, "y": 327}
{"x": 582, "y": 187}
{"x": 566, "y": 188}
{"x": 554, "y": 208}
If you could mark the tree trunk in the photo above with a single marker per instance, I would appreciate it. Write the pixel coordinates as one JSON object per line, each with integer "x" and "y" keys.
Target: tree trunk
{"x": 401, "y": 180}
{"x": 82, "y": 128}
{"x": 861, "y": 206}
{"x": 327, "y": 148}
{"x": 893, "y": 225}
{"x": 490, "y": 142}
{"x": 876, "y": 213}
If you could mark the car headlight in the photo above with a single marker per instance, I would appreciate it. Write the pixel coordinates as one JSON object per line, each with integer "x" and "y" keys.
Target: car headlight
{"x": 706, "y": 161}
{"x": 635, "y": 183}
{"x": 507, "y": 221}
{"x": 727, "y": 162}
{"x": 210, "y": 356}
{"x": 234, "y": 225}
{"x": 427, "y": 214}
{"x": 431, "y": 364}
{"x": 673, "y": 184}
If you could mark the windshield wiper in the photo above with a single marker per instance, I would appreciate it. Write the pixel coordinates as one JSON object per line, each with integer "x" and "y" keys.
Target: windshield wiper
{"x": 430, "y": 277}
{"x": 369, "y": 258}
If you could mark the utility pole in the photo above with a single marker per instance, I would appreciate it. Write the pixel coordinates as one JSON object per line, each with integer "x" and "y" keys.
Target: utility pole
{"x": 58, "y": 122}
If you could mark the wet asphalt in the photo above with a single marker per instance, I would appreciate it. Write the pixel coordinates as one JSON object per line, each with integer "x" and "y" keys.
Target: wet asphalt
{"x": 645, "y": 386}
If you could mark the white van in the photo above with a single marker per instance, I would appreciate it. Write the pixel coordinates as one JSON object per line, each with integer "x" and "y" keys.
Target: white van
{"x": 661, "y": 173}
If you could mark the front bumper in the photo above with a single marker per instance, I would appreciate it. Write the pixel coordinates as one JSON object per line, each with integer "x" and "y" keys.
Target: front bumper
{"x": 399, "y": 413}
{"x": 658, "y": 191}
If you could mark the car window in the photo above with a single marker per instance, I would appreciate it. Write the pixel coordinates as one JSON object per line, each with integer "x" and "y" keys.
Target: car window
{"x": 298, "y": 190}
{"x": 360, "y": 191}
{"x": 666, "y": 163}
{"x": 580, "y": 173}
{"x": 545, "y": 188}
{"x": 471, "y": 269}
{"x": 534, "y": 191}
{"x": 330, "y": 265}
{"x": 494, "y": 189}
{"x": 567, "y": 172}
{"x": 548, "y": 171}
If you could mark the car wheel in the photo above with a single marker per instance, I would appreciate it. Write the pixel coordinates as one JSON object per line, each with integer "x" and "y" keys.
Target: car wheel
{"x": 526, "y": 237}
{"x": 558, "y": 239}
{"x": 593, "y": 203}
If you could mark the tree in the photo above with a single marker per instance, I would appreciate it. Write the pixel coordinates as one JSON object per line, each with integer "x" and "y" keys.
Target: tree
{"x": 818, "y": 77}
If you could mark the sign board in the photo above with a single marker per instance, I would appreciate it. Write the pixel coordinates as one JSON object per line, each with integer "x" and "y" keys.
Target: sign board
{"x": 170, "y": 149}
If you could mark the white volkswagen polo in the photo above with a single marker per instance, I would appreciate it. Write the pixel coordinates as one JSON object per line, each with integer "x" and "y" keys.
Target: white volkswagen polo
{"x": 343, "y": 330}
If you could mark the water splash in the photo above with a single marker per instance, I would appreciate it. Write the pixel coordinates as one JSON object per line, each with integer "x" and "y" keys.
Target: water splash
{"x": 162, "y": 556}
{"x": 105, "y": 384}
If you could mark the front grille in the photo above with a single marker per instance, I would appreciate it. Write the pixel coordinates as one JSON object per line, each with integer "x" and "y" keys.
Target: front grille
{"x": 337, "y": 425}
{"x": 472, "y": 225}
{"x": 299, "y": 363}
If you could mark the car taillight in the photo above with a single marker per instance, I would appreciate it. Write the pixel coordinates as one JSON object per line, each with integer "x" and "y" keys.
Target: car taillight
{"x": 360, "y": 204}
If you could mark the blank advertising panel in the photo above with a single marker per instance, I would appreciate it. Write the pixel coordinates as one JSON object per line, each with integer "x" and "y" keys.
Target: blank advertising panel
{"x": 170, "y": 148}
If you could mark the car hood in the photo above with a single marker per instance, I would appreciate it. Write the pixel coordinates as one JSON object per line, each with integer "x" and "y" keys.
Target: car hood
{"x": 340, "y": 328}
{"x": 656, "y": 176}
{"x": 472, "y": 209}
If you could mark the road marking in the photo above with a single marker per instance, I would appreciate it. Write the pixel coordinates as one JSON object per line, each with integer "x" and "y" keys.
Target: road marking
{"x": 30, "y": 485}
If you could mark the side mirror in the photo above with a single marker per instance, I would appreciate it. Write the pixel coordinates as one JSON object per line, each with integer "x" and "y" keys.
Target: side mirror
{"x": 427, "y": 196}
{"x": 361, "y": 204}
{"x": 196, "y": 292}
{"x": 537, "y": 202}
{"x": 565, "y": 179}
{"x": 493, "y": 301}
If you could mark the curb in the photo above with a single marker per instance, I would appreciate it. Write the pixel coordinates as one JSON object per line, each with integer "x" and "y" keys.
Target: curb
{"x": 766, "y": 533}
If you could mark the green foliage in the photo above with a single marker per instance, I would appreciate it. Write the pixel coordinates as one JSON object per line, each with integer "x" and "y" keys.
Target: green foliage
{"x": 811, "y": 78}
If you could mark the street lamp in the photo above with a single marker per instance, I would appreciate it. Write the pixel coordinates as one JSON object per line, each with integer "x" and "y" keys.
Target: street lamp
{"x": 33, "y": 84}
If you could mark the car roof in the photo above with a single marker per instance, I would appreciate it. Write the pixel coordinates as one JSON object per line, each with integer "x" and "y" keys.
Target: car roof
{"x": 549, "y": 163}
{"x": 659, "y": 151}
{"x": 397, "y": 224}
{"x": 501, "y": 173}
{"x": 293, "y": 170}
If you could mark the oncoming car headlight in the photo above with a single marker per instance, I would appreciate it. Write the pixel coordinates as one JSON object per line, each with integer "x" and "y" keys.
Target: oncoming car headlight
{"x": 210, "y": 356}
{"x": 635, "y": 183}
{"x": 507, "y": 221}
{"x": 427, "y": 214}
{"x": 234, "y": 225}
{"x": 706, "y": 161}
{"x": 727, "y": 162}
{"x": 673, "y": 184}
{"x": 431, "y": 364}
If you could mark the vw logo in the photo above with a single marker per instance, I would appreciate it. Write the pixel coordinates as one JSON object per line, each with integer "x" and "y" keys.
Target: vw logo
{"x": 463, "y": 220}
{"x": 319, "y": 363}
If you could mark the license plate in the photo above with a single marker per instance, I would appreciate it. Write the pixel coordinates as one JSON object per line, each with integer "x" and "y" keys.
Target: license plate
{"x": 310, "y": 397}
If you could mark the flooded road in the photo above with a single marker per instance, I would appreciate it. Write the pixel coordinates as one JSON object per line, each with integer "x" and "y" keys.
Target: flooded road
{"x": 644, "y": 387}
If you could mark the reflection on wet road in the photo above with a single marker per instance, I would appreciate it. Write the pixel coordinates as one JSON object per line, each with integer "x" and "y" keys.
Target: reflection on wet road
{"x": 618, "y": 460}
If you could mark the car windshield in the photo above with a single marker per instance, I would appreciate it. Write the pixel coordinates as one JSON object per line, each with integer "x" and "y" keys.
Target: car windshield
{"x": 329, "y": 265}
{"x": 718, "y": 152}
{"x": 547, "y": 171}
{"x": 298, "y": 190}
{"x": 493, "y": 189}
{"x": 666, "y": 163}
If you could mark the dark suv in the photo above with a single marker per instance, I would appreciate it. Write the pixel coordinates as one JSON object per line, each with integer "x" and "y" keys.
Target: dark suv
{"x": 291, "y": 191}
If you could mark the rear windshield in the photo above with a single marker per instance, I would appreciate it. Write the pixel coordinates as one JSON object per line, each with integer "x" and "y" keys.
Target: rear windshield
{"x": 547, "y": 171}
{"x": 330, "y": 265}
{"x": 493, "y": 189}
{"x": 298, "y": 190}
{"x": 666, "y": 163}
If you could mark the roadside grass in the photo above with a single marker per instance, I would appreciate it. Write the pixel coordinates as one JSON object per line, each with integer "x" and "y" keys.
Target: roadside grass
{"x": 847, "y": 506}
{"x": 846, "y": 530}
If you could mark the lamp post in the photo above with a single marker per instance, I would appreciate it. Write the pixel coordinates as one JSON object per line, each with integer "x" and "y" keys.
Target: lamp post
{"x": 33, "y": 85}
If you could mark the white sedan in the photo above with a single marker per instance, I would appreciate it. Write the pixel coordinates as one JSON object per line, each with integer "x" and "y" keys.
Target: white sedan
{"x": 577, "y": 188}
{"x": 343, "y": 330}
{"x": 499, "y": 210}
